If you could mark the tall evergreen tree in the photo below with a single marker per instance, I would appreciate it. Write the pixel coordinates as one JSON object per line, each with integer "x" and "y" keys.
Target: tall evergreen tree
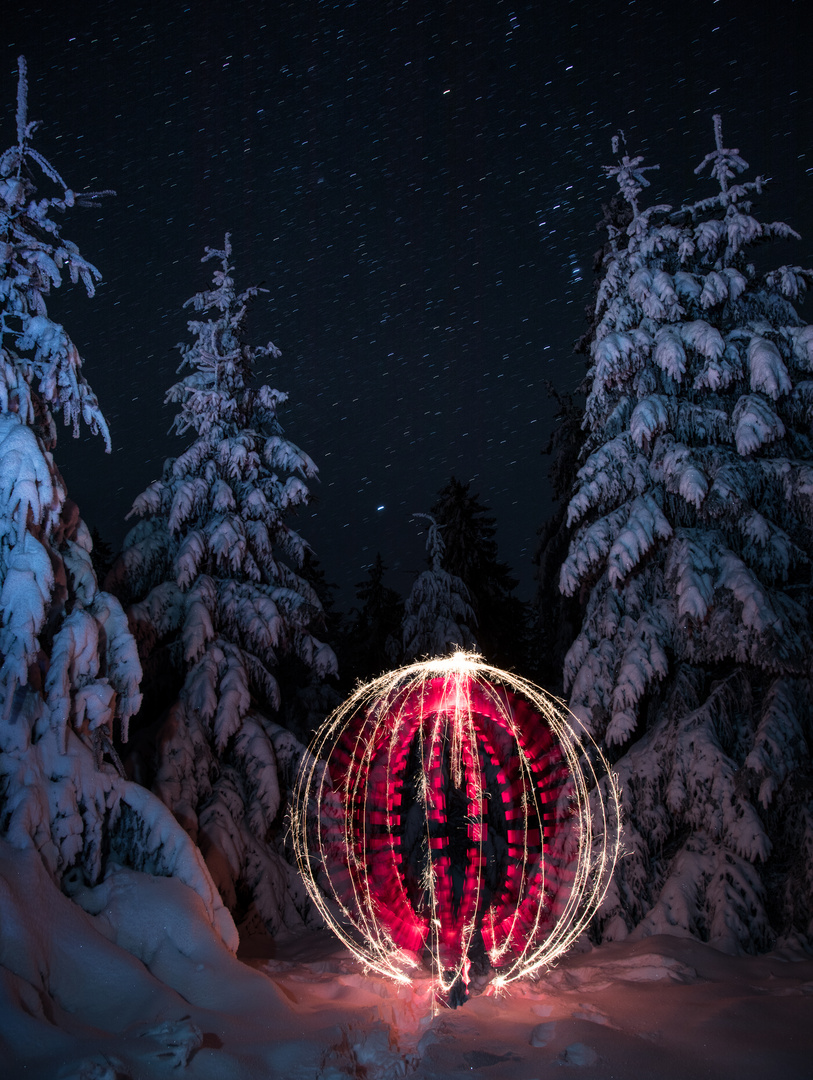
{"x": 556, "y": 618}
{"x": 211, "y": 577}
{"x": 471, "y": 554}
{"x": 693, "y": 519}
{"x": 374, "y": 637}
{"x": 101, "y": 555}
{"x": 69, "y": 669}
{"x": 437, "y": 613}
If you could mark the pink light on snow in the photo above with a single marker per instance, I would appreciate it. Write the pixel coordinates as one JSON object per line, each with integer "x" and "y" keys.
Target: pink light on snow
{"x": 450, "y": 813}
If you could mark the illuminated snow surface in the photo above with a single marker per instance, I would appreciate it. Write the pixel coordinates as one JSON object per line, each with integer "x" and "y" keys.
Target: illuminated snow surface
{"x": 144, "y": 989}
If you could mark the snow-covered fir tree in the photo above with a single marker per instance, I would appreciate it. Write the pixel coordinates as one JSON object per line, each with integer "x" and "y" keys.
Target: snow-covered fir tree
{"x": 693, "y": 527}
{"x": 214, "y": 598}
{"x": 437, "y": 613}
{"x": 69, "y": 668}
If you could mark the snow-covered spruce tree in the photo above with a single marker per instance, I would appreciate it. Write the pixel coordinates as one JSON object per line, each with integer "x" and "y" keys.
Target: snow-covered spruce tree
{"x": 437, "y": 613}
{"x": 693, "y": 516}
{"x": 216, "y": 607}
{"x": 69, "y": 669}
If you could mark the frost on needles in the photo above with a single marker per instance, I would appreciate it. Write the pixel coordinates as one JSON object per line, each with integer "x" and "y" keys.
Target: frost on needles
{"x": 215, "y": 599}
{"x": 692, "y": 521}
{"x": 69, "y": 669}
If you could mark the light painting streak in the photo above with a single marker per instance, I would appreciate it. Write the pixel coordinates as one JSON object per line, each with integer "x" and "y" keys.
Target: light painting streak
{"x": 404, "y": 875}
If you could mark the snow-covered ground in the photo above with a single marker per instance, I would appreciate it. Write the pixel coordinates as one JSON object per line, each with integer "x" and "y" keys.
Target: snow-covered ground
{"x": 662, "y": 1007}
{"x": 138, "y": 985}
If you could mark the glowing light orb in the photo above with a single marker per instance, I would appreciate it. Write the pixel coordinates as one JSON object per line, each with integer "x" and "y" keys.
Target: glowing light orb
{"x": 452, "y": 815}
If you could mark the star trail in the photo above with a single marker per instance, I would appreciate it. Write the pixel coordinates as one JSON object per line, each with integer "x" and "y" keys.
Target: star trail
{"x": 417, "y": 185}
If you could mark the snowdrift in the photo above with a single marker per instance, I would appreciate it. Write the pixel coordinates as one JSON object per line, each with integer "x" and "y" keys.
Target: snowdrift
{"x": 135, "y": 983}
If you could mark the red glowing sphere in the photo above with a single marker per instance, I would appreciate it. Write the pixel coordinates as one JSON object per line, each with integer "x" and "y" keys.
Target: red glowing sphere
{"x": 445, "y": 819}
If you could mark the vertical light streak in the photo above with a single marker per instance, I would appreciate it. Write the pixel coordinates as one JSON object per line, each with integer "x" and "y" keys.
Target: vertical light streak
{"x": 529, "y": 778}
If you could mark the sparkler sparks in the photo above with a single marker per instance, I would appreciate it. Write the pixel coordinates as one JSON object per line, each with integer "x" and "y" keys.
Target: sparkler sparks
{"x": 454, "y": 815}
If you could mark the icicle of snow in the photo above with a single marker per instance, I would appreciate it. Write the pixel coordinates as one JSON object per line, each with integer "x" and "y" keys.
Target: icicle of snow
{"x": 758, "y": 612}
{"x": 720, "y": 373}
{"x": 26, "y": 489}
{"x": 707, "y": 236}
{"x": 790, "y": 281}
{"x": 619, "y": 353}
{"x": 715, "y": 290}
{"x": 687, "y": 285}
{"x": 736, "y": 283}
{"x": 26, "y": 591}
{"x": 612, "y": 472}
{"x": 742, "y": 229}
{"x": 233, "y": 698}
{"x": 591, "y": 687}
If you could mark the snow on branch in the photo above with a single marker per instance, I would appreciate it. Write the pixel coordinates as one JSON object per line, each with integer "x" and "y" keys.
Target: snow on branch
{"x": 768, "y": 371}
{"x": 645, "y": 524}
{"x": 628, "y": 172}
{"x": 725, "y": 164}
{"x": 755, "y": 424}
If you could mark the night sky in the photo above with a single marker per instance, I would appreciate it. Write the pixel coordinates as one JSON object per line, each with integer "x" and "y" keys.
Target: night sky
{"x": 416, "y": 184}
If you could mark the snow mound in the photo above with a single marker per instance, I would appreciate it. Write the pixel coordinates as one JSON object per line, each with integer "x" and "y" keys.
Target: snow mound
{"x": 578, "y": 1054}
{"x": 135, "y": 987}
{"x": 589, "y": 1012}
{"x": 367, "y": 1051}
{"x": 142, "y": 989}
{"x": 647, "y": 967}
{"x": 542, "y": 1034}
